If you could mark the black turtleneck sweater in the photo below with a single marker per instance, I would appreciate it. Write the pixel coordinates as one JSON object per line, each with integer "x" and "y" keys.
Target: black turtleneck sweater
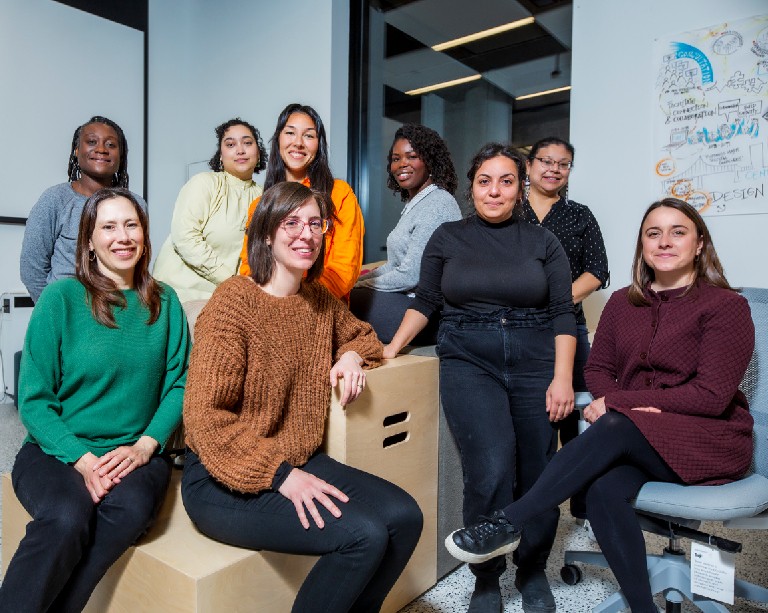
{"x": 474, "y": 266}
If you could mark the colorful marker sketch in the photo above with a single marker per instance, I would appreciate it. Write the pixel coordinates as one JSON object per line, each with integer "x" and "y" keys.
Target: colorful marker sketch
{"x": 711, "y": 126}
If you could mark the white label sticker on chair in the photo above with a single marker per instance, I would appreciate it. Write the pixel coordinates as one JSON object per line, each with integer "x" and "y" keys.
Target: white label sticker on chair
{"x": 713, "y": 572}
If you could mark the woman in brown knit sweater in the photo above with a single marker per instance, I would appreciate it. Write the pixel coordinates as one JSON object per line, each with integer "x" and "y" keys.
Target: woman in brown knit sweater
{"x": 268, "y": 348}
{"x": 668, "y": 357}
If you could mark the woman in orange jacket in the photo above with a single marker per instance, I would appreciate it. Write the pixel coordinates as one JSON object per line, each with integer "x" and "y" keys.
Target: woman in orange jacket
{"x": 299, "y": 152}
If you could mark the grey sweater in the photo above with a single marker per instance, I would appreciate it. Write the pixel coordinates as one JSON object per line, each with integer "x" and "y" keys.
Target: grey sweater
{"x": 405, "y": 244}
{"x": 50, "y": 238}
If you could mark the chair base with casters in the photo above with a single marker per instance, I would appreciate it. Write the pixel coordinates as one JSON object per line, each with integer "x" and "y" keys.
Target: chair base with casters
{"x": 676, "y": 511}
{"x": 669, "y": 572}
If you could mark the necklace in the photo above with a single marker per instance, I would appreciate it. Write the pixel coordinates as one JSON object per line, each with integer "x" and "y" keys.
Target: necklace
{"x": 417, "y": 198}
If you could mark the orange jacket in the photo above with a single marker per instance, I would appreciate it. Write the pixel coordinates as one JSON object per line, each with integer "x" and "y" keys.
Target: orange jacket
{"x": 343, "y": 243}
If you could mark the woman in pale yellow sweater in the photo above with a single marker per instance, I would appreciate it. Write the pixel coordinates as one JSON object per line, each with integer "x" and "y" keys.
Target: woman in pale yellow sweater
{"x": 268, "y": 348}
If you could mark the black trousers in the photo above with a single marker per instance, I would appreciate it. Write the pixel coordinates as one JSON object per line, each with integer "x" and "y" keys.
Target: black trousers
{"x": 362, "y": 553}
{"x": 610, "y": 462}
{"x": 71, "y": 542}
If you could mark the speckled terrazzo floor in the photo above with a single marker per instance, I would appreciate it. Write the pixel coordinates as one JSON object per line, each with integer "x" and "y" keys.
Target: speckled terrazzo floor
{"x": 451, "y": 594}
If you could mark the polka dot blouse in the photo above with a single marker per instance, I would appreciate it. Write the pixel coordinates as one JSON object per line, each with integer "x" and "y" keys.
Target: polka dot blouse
{"x": 579, "y": 234}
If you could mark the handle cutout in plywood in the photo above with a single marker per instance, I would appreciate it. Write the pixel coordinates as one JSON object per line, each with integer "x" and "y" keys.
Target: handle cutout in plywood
{"x": 397, "y": 418}
{"x": 400, "y": 437}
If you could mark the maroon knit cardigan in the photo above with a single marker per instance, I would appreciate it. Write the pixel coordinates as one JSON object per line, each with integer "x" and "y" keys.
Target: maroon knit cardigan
{"x": 686, "y": 355}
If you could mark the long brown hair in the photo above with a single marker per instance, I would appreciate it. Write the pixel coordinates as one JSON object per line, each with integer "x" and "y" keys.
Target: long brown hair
{"x": 103, "y": 292}
{"x": 319, "y": 171}
{"x": 706, "y": 265}
{"x": 277, "y": 203}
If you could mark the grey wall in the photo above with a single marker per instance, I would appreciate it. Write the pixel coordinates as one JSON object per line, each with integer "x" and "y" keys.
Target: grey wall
{"x": 211, "y": 61}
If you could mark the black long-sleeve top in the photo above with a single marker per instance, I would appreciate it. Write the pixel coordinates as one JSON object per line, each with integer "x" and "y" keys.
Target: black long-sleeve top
{"x": 579, "y": 233}
{"x": 479, "y": 267}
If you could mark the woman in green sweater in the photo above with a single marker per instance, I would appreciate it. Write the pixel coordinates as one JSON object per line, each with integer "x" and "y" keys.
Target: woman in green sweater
{"x": 100, "y": 391}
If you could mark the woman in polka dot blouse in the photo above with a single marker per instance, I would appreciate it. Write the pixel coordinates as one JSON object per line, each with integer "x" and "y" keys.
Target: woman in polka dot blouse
{"x": 546, "y": 204}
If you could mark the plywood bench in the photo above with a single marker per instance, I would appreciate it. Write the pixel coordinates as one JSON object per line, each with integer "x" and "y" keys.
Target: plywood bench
{"x": 391, "y": 431}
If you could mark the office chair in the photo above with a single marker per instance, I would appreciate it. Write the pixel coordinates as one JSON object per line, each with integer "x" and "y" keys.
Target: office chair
{"x": 676, "y": 511}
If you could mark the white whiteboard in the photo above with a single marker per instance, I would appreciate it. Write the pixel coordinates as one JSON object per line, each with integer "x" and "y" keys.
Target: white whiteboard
{"x": 58, "y": 67}
{"x": 711, "y": 118}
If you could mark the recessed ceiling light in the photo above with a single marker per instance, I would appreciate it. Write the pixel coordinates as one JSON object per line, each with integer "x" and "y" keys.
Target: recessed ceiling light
{"x": 443, "y": 85}
{"x": 484, "y": 34}
{"x": 544, "y": 93}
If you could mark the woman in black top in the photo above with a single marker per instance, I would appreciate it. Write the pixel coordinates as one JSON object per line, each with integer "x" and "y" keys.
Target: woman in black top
{"x": 506, "y": 345}
{"x": 546, "y": 204}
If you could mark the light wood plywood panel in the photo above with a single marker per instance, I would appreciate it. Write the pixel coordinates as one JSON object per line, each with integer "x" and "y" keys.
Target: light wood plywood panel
{"x": 176, "y": 569}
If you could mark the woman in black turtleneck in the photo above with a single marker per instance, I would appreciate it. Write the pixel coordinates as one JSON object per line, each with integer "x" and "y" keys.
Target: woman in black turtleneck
{"x": 506, "y": 345}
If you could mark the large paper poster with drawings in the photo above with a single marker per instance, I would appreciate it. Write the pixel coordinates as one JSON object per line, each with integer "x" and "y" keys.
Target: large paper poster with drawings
{"x": 711, "y": 122}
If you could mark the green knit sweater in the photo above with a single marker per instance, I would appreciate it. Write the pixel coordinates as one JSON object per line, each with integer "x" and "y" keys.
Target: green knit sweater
{"x": 86, "y": 387}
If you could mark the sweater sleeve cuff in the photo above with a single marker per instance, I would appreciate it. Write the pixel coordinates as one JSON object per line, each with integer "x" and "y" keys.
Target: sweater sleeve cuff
{"x": 281, "y": 474}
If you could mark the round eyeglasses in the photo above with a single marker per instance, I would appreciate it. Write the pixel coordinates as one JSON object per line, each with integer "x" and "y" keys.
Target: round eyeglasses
{"x": 549, "y": 164}
{"x": 294, "y": 227}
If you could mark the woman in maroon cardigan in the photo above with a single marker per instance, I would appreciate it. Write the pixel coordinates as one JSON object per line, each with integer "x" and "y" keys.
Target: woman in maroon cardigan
{"x": 669, "y": 354}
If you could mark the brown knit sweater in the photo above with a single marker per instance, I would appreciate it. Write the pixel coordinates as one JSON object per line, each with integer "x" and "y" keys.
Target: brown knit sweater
{"x": 258, "y": 386}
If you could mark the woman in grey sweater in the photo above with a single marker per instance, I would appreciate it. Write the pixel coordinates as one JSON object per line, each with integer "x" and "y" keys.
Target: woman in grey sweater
{"x": 421, "y": 171}
{"x": 98, "y": 159}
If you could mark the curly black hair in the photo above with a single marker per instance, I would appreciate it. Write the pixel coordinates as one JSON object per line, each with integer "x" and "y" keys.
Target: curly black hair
{"x": 492, "y": 150}
{"x": 121, "y": 176}
{"x": 432, "y": 150}
{"x": 215, "y": 161}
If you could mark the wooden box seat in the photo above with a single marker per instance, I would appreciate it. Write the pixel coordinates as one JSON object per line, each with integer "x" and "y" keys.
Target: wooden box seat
{"x": 391, "y": 431}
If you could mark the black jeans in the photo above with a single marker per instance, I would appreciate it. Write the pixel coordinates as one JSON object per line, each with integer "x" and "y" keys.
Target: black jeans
{"x": 494, "y": 374}
{"x": 385, "y": 310}
{"x": 610, "y": 461}
{"x": 362, "y": 553}
{"x": 569, "y": 427}
{"x": 71, "y": 542}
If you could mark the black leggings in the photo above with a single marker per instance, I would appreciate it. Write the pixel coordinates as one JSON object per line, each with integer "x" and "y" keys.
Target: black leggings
{"x": 610, "y": 461}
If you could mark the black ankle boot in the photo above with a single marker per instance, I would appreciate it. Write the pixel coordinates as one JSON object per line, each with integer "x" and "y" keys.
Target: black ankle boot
{"x": 537, "y": 595}
{"x": 487, "y": 596}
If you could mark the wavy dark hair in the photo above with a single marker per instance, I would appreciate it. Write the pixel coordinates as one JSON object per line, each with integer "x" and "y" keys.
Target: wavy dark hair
{"x": 215, "y": 162}
{"x": 103, "y": 292}
{"x": 432, "y": 150}
{"x": 490, "y": 151}
{"x": 706, "y": 265}
{"x": 551, "y": 140}
{"x": 277, "y": 203}
{"x": 121, "y": 177}
{"x": 319, "y": 171}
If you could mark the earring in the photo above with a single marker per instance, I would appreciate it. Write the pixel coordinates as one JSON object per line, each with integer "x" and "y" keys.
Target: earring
{"x": 526, "y": 188}
{"x": 91, "y": 256}
{"x": 566, "y": 193}
{"x": 116, "y": 180}
{"x": 221, "y": 164}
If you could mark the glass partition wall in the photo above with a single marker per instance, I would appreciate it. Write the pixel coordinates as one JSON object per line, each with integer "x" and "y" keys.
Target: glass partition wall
{"x": 466, "y": 70}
